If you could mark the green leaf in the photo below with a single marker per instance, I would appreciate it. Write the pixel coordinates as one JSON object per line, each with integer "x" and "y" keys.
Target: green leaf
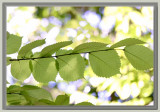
{"x": 30, "y": 65}
{"x": 36, "y": 94}
{"x": 16, "y": 99}
{"x": 62, "y": 52}
{"x": 45, "y": 102}
{"x": 49, "y": 50}
{"x": 20, "y": 69}
{"x": 36, "y": 55}
{"x": 44, "y": 70}
{"x": 90, "y": 46}
{"x": 29, "y": 54}
{"x": 71, "y": 67}
{"x": 62, "y": 100}
{"x": 13, "y": 89}
{"x": 13, "y": 43}
{"x": 139, "y": 56}
{"x": 27, "y": 48}
{"x": 127, "y": 42}
{"x": 29, "y": 87}
{"x": 8, "y": 62}
{"x": 84, "y": 103}
{"x": 105, "y": 63}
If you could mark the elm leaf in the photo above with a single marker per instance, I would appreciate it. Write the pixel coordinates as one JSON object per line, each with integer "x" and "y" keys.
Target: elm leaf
{"x": 20, "y": 69}
{"x": 127, "y": 42}
{"x": 44, "y": 70}
{"x": 23, "y": 52}
{"x": 49, "y": 50}
{"x": 139, "y": 56}
{"x": 71, "y": 67}
{"x": 62, "y": 100}
{"x": 90, "y": 46}
{"x": 13, "y": 43}
{"x": 105, "y": 63}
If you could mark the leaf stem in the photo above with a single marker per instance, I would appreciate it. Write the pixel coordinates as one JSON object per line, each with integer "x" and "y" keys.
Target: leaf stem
{"x": 60, "y": 55}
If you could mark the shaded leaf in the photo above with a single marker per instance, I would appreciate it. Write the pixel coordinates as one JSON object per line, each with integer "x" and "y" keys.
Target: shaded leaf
{"x": 27, "y": 48}
{"x": 30, "y": 65}
{"x": 105, "y": 63}
{"x": 71, "y": 67}
{"x": 13, "y": 43}
{"x": 62, "y": 100}
{"x": 49, "y": 50}
{"x": 44, "y": 70}
{"x": 13, "y": 89}
{"x": 36, "y": 94}
{"x": 20, "y": 69}
{"x": 29, "y": 87}
{"x": 139, "y": 56}
{"x": 45, "y": 102}
{"x": 16, "y": 99}
{"x": 90, "y": 46}
{"x": 127, "y": 42}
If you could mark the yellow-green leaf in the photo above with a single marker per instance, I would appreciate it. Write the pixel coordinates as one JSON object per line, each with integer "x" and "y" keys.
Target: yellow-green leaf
{"x": 13, "y": 43}
{"x": 71, "y": 67}
{"x": 127, "y": 42}
{"x": 20, "y": 69}
{"x": 27, "y": 48}
{"x": 90, "y": 46}
{"x": 105, "y": 63}
{"x": 44, "y": 70}
{"x": 139, "y": 56}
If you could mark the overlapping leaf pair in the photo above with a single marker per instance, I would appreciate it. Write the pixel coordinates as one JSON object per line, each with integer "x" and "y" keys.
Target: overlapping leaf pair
{"x": 104, "y": 61}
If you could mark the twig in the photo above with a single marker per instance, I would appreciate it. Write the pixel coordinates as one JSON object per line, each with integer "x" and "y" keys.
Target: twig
{"x": 60, "y": 55}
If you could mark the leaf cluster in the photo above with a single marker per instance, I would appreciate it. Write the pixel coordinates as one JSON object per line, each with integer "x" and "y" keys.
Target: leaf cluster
{"x": 33, "y": 95}
{"x": 104, "y": 61}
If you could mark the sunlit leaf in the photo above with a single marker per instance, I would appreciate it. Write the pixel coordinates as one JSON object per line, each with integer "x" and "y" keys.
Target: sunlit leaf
{"x": 105, "y": 63}
{"x": 36, "y": 55}
{"x": 90, "y": 46}
{"x": 44, "y": 70}
{"x": 71, "y": 67}
{"x": 20, "y": 69}
{"x": 13, "y": 43}
{"x": 139, "y": 56}
{"x": 27, "y": 48}
{"x": 127, "y": 42}
{"x": 29, "y": 54}
{"x": 63, "y": 52}
{"x": 49, "y": 50}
